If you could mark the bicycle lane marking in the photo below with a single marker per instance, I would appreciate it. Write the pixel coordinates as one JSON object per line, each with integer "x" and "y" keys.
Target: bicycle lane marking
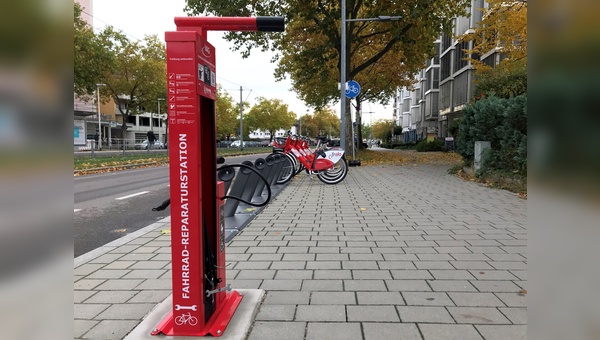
{"x": 132, "y": 195}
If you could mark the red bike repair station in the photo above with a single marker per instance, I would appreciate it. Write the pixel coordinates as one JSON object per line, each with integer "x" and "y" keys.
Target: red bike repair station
{"x": 202, "y": 302}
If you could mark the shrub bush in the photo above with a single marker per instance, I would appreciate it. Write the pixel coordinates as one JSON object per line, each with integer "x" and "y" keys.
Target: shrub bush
{"x": 435, "y": 145}
{"x": 502, "y": 122}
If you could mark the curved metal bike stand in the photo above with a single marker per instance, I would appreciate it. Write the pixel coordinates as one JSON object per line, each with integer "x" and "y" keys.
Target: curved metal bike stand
{"x": 237, "y": 189}
{"x": 269, "y": 161}
{"x": 261, "y": 165}
{"x": 226, "y": 175}
{"x": 279, "y": 163}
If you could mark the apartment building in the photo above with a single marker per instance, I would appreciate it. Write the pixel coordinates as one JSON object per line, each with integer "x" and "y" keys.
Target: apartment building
{"x": 444, "y": 86}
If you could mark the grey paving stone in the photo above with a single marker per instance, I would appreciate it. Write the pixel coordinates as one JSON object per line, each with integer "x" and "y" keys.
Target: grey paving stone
{"x": 111, "y": 329}
{"x": 435, "y": 257}
{"x": 332, "y": 274}
{"x": 411, "y": 274}
{"x": 82, "y": 326}
{"x": 449, "y": 332}
{"x": 106, "y": 258}
{"x": 293, "y": 274}
{"x": 240, "y": 257}
{"x": 150, "y": 296}
{"x": 365, "y": 285}
{"x": 155, "y": 284}
{"x": 481, "y": 265}
{"x": 120, "y": 265}
{"x": 251, "y": 265}
{"x": 153, "y": 264}
{"x": 88, "y": 311}
{"x": 371, "y": 274}
{"x": 136, "y": 257}
{"x": 263, "y": 257}
{"x": 390, "y": 331}
{"x": 333, "y": 257}
{"x": 476, "y": 299}
{"x": 478, "y": 315}
{"x": 322, "y": 285}
{"x": 451, "y": 275}
{"x": 333, "y": 298}
{"x": 321, "y": 313}
{"x": 276, "y": 313}
{"x": 333, "y": 331}
{"x": 396, "y": 264}
{"x": 144, "y": 274}
{"x": 506, "y": 257}
{"x": 125, "y": 249}
{"x": 129, "y": 311}
{"x": 81, "y": 295}
{"x": 288, "y": 265}
{"x": 108, "y": 274}
{"x": 513, "y": 299}
{"x": 359, "y": 265}
{"x": 380, "y": 298}
{"x": 508, "y": 265}
{"x": 470, "y": 257}
{"x": 452, "y": 286}
{"x": 256, "y": 274}
{"x": 493, "y": 275}
{"x": 118, "y": 296}
{"x": 87, "y": 268}
{"x": 324, "y": 250}
{"x": 298, "y": 257}
{"x": 427, "y": 299}
{"x": 287, "y": 298}
{"x": 162, "y": 257}
{"x": 501, "y": 332}
{"x": 146, "y": 250}
{"x": 408, "y": 285}
{"x": 518, "y": 316}
{"x": 433, "y": 265}
{"x": 87, "y": 284}
{"x": 119, "y": 284}
{"x": 496, "y": 286}
{"x": 420, "y": 314}
{"x": 245, "y": 284}
{"x": 293, "y": 285}
{"x": 324, "y": 265}
{"x": 372, "y": 314}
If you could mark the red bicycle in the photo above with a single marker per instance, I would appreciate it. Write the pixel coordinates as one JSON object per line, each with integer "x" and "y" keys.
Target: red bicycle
{"x": 328, "y": 163}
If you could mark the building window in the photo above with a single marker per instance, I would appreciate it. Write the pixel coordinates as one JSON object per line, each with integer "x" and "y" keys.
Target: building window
{"x": 461, "y": 56}
{"x": 445, "y": 66}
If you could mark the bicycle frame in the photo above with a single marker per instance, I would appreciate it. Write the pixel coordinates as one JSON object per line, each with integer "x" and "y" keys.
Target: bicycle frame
{"x": 310, "y": 158}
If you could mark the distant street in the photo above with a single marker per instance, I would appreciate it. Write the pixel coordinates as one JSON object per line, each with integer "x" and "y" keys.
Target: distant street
{"x": 110, "y": 205}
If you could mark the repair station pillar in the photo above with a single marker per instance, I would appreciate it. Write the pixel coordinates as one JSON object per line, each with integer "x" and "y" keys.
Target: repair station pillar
{"x": 202, "y": 301}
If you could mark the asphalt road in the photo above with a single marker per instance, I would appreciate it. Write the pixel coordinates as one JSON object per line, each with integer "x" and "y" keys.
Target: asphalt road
{"x": 110, "y": 205}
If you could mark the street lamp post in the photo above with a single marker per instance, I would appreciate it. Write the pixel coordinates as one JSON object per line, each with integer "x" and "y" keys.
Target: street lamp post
{"x": 159, "y": 120}
{"x": 99, "y": 123}
{"x": 343, "y": 65}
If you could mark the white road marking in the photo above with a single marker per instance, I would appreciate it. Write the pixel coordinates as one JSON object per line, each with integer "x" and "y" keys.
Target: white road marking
{"x": 132, "y": 195}
{"x": 76, "y": 210}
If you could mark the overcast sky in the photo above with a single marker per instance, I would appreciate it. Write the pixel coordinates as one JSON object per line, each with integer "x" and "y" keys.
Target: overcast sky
{"x": 138, "y": 18}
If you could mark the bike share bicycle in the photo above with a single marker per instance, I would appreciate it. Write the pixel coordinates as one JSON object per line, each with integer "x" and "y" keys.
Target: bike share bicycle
{"x": 328, "y": 163}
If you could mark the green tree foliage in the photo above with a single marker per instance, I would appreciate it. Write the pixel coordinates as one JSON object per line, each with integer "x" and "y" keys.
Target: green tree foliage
{"x": 323, "y": 122}
{"x": 382, "y": 129}
{"x": 269, "y": 115}
{"x": 90, "y": 58}
{"x": 502, "y": 122}
{"x": 137, "y": 75}
{"x": 503, "y": 29}
{"x": 228, "y": 115}
{"x": 381, "y": 55}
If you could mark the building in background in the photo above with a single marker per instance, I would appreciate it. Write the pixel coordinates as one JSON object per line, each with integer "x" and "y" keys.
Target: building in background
{"x": 444, "y": 87}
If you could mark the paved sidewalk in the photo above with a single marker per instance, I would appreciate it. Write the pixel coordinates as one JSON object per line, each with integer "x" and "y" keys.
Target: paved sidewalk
{"x": 390, "y": 253}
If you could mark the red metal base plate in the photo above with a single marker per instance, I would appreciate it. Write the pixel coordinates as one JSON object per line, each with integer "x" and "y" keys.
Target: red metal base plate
{"x": 215, "y": 326}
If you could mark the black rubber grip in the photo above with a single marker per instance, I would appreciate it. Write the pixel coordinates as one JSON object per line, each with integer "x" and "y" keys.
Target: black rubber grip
{"x": 270, "y": 24}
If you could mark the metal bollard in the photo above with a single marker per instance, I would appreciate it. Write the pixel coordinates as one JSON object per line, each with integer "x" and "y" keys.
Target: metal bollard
{"x": 237, "y": 188}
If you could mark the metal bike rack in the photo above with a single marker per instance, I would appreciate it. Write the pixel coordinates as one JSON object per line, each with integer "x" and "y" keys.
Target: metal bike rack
{"x": 237, "y": 189}
{"x": 266, "y": 170}
{"x": 260, "y": 164}
{"x": 226, "y": 176}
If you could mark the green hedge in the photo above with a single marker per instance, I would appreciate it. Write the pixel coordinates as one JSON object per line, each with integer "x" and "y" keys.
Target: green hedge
{"x": 435, "y": 145}
{"x": 502, "y": 122}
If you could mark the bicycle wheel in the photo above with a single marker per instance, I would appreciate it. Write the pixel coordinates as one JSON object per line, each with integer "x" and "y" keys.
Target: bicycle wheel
{"x": 335, "y": 175}
{"x": 288, "y": 170}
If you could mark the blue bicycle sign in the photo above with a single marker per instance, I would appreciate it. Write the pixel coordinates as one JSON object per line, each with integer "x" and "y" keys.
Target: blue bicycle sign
{"x": 352, "y": 89}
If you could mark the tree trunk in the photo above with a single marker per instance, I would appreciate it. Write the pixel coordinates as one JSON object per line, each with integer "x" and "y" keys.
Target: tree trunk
{"x": 359, "y": 137}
